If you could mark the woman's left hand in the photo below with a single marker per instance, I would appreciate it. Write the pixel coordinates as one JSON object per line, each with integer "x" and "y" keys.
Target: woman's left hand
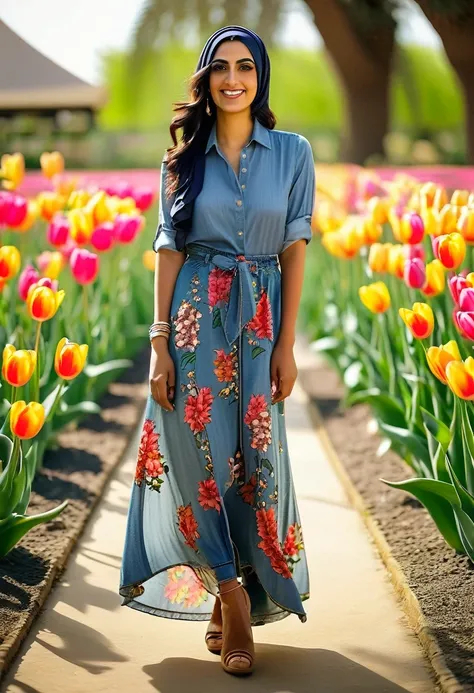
{"x": 283, "y": 371}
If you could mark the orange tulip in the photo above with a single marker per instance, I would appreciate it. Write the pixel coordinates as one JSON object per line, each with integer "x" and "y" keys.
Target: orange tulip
{"x": 459, "y": 198}
{"x": 31, "y": 216}
{"x": 63, "y": 184}
{"x": 447, "y": 219}
{"x": 439, "y": 357}
{"x": 26, "y": 420}
{"x": 149, "y": 257}
{"x": 419, "y": 320}
{"x": 450, "y": 249}
{"x": 18, "y": 365}
{"x": 12, "y": 170}
{"x": 465, "y": 224}
{"x": 396, "y": 260}
{"x": 394, "y": 219}
{"x": 375, "y": 297}
{"x": 70, "y": 358}
{"x": 435, "y": 279}
{"x": 460, "y": 377}
{"x": 378, "y": 257}
{"x": 371, "y": 231}
{"x": 10, "y": 261}
{"x": 43, "y": 302}
{"x": 49, "y": 203}
{"x": 378, "y": 210}
{"x": 51, "y": 163}
{"x": 81, "y": 225}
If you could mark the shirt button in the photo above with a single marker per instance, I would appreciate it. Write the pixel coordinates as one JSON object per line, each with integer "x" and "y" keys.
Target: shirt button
{"x": 240, "y": 233}
{"x": 244, "y": 170}
{"x": 238, "y": 203}
{"x": 244, "y": 156}
{"x": 243, "y": 186}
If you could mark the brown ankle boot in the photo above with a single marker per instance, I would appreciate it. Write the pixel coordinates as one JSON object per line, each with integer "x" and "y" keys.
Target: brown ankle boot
{"x": 237, "y": 653}
{"x": 213, "y": 635}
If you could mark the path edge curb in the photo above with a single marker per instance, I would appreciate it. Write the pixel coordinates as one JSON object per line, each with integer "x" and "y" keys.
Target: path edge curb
{"x": 10, "y": 647}
{"x": 446, "y": 679}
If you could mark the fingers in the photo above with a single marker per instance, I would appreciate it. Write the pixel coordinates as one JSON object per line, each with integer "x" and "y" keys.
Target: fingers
{"x": 285, "y": 388}
{"x": 159, "y": 392}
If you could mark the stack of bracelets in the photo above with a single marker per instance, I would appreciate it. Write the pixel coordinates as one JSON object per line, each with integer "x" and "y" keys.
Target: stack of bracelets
{"x": 160, "y": 328}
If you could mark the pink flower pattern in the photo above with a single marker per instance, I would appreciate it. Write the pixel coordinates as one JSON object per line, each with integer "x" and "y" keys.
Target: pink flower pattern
{"x": 220, "y": 281}
{"x": 258, "y": 419}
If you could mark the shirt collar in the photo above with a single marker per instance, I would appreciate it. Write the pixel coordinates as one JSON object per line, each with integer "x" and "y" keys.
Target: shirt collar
{"x": 260, "y": 134}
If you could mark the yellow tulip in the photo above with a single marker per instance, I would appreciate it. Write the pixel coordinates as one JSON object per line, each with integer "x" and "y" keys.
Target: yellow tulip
{"x": 371, "y": 231}
{"x": 49, "y": 203}
{"x": 459, "y": 198}
{"x": 78, "y": 199}
{"x": 10, "y": 261}
{"x": 81, "y": 225}
{"x": 378, "y": 257}
{"x": 43, "y": 303}
{"x": 12, "y": 170}
{"x": 97, "y": 208}
{"x": 419, "y": 320}
{"x": 440, "y": 198}
{"x": 439, "y": 357}
{"x": 378, "y": 210}
{"x": 431, "y": 221}
{"x": 460, "y": 377}
{"x": 375, "y": 297}
{"x": 70, "y": 358}
{"x": 447, "y": 219}
{"x": 26, "y": 420}
{"x": 435, "y": 278}
{"x": 465, "y": 224}
{"x": 396, "y": 260}
{"x": 51, "y": 163}
{"x": 18, "y": 365}
{"x": 149, "y": 257}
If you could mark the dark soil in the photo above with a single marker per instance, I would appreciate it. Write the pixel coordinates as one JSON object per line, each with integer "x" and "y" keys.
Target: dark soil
{"x": 442, "y": 580}
{"x": 77, "y": 470}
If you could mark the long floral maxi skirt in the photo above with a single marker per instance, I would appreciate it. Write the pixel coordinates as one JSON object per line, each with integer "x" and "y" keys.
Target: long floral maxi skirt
{"x": 213, "y": 497}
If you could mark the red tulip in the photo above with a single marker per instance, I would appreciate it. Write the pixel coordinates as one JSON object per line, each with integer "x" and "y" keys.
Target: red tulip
{"x": 415, "y": 273}
{"x": 58, "y": 230}
{"x": 13, "y": 209}
{"x": 84, "y": 265}
{"x": 103, "y": 237}
{"x": 28, "y": 277}
{"x": 144, "y": 198}
{"x": 127, "y": 227}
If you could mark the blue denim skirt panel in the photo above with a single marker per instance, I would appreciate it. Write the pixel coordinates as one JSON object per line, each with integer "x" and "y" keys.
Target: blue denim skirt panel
{"x": 212, "y": 496}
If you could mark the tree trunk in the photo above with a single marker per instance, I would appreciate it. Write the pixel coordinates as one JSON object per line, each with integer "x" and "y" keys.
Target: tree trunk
{"x": 457, "y": 36}
{"x": 363, "y": 63}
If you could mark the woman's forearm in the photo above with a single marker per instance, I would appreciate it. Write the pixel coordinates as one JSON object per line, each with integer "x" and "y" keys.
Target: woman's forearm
{"x": 167, "y": 266}
{"x": 292, "y": 272}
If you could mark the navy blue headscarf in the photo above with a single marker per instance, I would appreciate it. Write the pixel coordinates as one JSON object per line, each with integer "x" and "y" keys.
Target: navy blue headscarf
{"x": 191, "y": 166}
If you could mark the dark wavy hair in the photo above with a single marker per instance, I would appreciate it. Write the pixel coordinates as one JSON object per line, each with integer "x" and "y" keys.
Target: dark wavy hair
{"x": 197, "y": 124}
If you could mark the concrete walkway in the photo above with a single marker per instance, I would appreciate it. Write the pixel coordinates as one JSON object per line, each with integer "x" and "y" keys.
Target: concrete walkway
{"x": 355, "y": 639}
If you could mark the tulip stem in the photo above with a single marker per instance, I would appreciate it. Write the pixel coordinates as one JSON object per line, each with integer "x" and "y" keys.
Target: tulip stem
{"x": 385, "y": 343}
{"x": 86, "y": 313}
{"x": 54, "y": 406}
{"x": 13, "y": 395}
{"x": 37, "y": 369}
{"x": 15, "y": 451}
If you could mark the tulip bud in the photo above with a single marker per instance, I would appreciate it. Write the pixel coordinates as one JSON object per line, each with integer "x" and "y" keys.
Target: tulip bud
{"x": 149, "y": 257}
{"x": 10, "y": 261}
{"x": 28, "y": 277}
{"x": 375, "y": 297}
{"x": 144, "y": 198}
{"x": 81, "y": 226}
{"x": 370, "y": 231}
{"x": 70, "y": 358}
{"x": 450, "y": 249}
{"x": 26, "y": 420}
{"x": 396, "y": 261}
{"x": 97, "y": 209}
{"x": 51, "y": 163}
{"x": 447, "y": 220}
{"x": 431, "y": 221}
{"x": 18, "y": 365}
{"x": 43, "y": 302}
{"x": 439, "y": 357}
{"x": 456, "y": 284}
{"x": 460, "y": 377}
{"x": 58, "y": 230}
{"x": 415, "y": 273}
{"x": 466, "y": 299}
{"x": 13, "y": 209}
{"x": 103, "y": 238}
{"x": 435, "y": 278}
{"x": 412, "y": 229}
{"x": 48, "y": 204}
{"x": 378, "y": 257}
{"x": 465, "y": 321}
{"x": 127, "y": 227}
{"x": 12, "y": 170}
{"x": 84, "y": 266}
{"x": 420, "y": 320}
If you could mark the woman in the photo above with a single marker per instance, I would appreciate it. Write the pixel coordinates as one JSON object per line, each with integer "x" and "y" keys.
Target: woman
{"x": 212, "y": 499}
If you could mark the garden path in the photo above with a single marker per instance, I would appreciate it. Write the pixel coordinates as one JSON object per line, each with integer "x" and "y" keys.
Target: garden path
{"x": 355, "y": 639}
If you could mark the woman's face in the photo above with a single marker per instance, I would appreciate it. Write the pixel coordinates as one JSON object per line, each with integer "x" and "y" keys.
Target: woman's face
{"x": 233, "y": 77}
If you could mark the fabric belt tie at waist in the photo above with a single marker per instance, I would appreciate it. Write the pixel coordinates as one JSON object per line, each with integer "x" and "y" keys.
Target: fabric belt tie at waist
{"x": 241, "y": 306}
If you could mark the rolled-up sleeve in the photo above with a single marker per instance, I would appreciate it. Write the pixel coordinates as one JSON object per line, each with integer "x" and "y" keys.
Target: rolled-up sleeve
{"x": 165, "y": 234}
{"x": 301, "y": 196}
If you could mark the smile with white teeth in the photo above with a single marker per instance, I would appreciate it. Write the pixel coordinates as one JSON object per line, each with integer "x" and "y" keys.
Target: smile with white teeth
{"x": 234, "y": 93}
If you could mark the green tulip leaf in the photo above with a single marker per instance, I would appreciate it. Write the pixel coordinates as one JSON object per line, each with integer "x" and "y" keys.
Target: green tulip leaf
{"x": 94, "y": 371}
{"x": 465, "y": 498}
{"x": 18, "y": 525}
{"x": 439, "y": 499}
{"x": 437, "y": 428}
{"x": 465, "y": 527}
{"x": 385, "y": 406}
{"x": 6, "y": 447}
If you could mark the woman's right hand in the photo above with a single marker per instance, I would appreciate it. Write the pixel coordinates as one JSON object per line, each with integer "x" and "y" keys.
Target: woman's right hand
{"x": 162, "y": 374}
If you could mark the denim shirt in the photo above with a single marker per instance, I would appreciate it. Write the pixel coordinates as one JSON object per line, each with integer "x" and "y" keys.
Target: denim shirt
{"x": 262, "y": 210}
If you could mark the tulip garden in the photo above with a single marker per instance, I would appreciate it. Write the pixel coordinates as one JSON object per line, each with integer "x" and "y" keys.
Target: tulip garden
{"x": 396, "y": 319}
{"x": 74, "y": 309}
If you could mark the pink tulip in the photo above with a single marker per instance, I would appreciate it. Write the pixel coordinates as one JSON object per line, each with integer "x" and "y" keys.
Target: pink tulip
{"x": 456, "y": 284}
{"x": 415, "y": 273}
{"x": 28, "y": 277}
{"x": 414, "y": 251}
{"x": 13, "y": 209}
{"x": 466, "y": 300}
{"x": 465, "y": 321}
{"x": 58, "y": 230}
{"x": 457, "y": 312}
{"x": 144, "y": 198}
{"x": 84, "y": 265}
{"x": 127, "y": 227}
{"x": 103, "y": 237}
{"x": 121, "y": 189}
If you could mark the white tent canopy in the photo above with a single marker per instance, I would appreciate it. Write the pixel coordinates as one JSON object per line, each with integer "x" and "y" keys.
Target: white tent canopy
{"x": 31, "y": 82}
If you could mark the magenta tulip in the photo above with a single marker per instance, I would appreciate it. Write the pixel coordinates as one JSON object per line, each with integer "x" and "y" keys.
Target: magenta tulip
{"x": 456, "y": 313}
{"x": 13, "y": 209}
{"x": 144, "y": 198}
{"x": 84, "y": 265}
{"x": 415, "y": 273}
{"x": 103, "y": 237}
{"x": 121, "y": 189}
{"x": 466, "y": 300}
{"x": 456, "y": 284}
{"x": 28, "y": 277}
{"x": 58, "y": 230}
{"x": 127, "y": 227}
{"x": 465, "y": 321}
